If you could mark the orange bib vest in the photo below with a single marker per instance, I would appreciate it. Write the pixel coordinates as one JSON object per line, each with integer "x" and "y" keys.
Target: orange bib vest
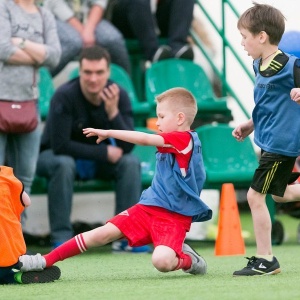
{"x": 12, "y": 243}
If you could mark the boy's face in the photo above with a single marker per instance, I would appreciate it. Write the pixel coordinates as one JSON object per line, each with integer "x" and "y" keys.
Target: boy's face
{"x": 251, "y": 43}
{"x": 167, "y": 120}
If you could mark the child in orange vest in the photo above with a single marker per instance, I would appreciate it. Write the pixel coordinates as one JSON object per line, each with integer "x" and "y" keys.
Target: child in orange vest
{"x": 13, "y": 200}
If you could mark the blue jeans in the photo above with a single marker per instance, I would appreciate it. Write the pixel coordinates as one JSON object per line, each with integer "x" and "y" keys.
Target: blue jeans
{"x": 21, "y": 151}
{"x": 60, "y": 170}
{"x": 106, "y": 35}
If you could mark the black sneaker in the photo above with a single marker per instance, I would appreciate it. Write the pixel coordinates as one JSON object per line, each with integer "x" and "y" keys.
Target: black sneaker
{"x": 163, "y": 52}
{"x": 44, "y": 276}
{"x": 259, "y": 266}
{"x": 185, "y": 52}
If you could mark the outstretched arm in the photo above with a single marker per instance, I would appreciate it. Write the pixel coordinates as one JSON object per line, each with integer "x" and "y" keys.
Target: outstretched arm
{"x": 134, "y": 137}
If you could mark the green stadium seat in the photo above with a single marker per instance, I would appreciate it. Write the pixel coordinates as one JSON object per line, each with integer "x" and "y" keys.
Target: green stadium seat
{"x": 170, "y": 73}
{"x": 46, "y": 91}
{"x": 226, "y": 160}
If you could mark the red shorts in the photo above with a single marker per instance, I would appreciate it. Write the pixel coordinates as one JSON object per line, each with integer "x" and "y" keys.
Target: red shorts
{"x": 143, "y": 225}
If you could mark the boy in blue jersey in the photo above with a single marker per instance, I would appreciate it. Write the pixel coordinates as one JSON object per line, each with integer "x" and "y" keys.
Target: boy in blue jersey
{"x": 168, "y": 207}
{"x": 276, "y": 125}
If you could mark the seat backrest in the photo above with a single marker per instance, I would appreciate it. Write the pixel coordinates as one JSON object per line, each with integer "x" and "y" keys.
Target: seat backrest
{"x": 225, "y": 156}
{"x": 120, "y": 76}
{"x": 46, "y": 91}
{"x": 169, "y": 73}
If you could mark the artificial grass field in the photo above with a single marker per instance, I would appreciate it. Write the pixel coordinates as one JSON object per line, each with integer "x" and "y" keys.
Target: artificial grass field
{"x": 99, "y": 274}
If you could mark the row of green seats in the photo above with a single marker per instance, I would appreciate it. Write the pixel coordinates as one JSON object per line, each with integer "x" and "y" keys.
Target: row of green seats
{"x": 167, "y": 74}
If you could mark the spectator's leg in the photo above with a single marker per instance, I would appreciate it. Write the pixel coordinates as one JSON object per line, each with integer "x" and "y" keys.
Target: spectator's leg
{"x": 60, "y": 171}
{"x": 71, "y": 45}
{"x": 174, "y": 19}
{"x": 111, "y": 38}
{"x": 128, "y": 182}
{"x": 22, "y": 155}
{"x": 3, "y": 142}
{"x": 135, "y": 20}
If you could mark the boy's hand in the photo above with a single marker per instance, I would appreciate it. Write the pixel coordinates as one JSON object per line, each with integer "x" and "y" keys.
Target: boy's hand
{"x": 243, "y": 130}
{"x": 237, "y": 134}
{"x": 295, "y": 95}
{"x": 102, "y": 134}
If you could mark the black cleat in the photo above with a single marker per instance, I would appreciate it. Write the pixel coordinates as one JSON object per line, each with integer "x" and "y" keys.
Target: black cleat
{"x": 44, "y": 276}
{"x": 259, "y": 266}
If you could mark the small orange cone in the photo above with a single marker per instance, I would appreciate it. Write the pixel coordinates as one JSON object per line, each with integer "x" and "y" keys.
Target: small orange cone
{"x": 229, "y": 238}
{"x": 151, "y": 124}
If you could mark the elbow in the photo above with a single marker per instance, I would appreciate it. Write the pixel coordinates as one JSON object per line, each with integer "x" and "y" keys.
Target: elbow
{"x": 56, "y": 59}
{"x": 52, "y": 60}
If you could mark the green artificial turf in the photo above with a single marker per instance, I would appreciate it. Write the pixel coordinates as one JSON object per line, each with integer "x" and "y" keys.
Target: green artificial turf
{"x": 99, "y": 274}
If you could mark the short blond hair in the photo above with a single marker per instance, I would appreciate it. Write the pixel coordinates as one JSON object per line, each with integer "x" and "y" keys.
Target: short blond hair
{"x": 180, "y": 100}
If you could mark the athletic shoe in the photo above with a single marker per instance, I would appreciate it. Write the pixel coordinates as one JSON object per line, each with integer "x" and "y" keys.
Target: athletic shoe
{"x": 185, "y": 52}
{"x": 123, "y": 247}
{"x": 46, "y": 275}
{"x": 259, "y": 266}
{"x": 32, "y": 262}
{"x": 199, "y": 265}
{"x": 163, "y": 52}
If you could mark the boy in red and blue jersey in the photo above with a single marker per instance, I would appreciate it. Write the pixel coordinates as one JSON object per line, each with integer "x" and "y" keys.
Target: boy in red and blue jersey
{"x": 168, "y": 207}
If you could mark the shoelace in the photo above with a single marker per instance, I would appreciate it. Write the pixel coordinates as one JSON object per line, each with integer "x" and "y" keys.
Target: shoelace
{"x": 251, "y": 262}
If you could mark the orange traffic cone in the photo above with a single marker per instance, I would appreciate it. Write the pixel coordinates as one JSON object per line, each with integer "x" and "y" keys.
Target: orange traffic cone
{"x": 229, "y": 238}
{"x": 151, "y": 124}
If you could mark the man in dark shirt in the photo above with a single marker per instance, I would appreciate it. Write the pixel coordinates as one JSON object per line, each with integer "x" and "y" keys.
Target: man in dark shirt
{"x": 91, "y": 100}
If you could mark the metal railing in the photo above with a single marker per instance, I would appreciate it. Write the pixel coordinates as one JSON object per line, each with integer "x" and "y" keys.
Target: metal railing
{"x": 226, "y": 45}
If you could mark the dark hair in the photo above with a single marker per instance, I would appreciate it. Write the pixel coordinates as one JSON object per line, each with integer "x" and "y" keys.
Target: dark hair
{"x": 263, "y": 17}
{"x": 94, "y": 53}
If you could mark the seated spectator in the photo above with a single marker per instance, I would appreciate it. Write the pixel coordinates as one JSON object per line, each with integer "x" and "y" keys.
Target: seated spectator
{"x": 172, "y": 18}
{"x": 90, "y": 100}
{"x": 80, "y": 24}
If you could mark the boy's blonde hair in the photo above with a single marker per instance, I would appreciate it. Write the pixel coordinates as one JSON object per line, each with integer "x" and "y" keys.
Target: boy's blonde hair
{"x": 263, "y": 17}
{"x": 180, "y": 100}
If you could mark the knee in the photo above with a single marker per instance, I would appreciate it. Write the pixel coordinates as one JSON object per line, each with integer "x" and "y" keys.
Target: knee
{"x": 129, "y": 161}
{"x": 162, "y": 263}
{"x": 65, "y": 165}
{"x": 251, "y": 198}
{"x": 109, "y": 36}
